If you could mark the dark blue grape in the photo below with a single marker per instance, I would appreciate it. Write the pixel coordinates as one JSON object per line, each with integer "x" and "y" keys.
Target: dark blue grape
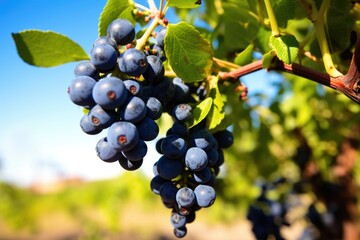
{"x": 180, "y": 232}
{"x": 154, "y": 108}
{"x": 196, "y": 159}
{"x": 87, "y": 126}
{"x": 202, "y": 139}
{"x": 106, "y": 40}
{"x": 168, "y": 168}
{"x": 160, "y": 36}
{"x": 105, "y": 152}
{"x": 80, "y": 91}
{"x": 158, "y": 145}
{"x": 177, "y": 220}
{"x": 133, "y": 110}
{"x": 133, "y": 87}
{"x": 148, "y": 129}
{"x": 203, "y": 176}
{"x": 122, "y": 136}
{"x": 182, "y": 91}
{"x": 130, "y": 165}
{"x": 205, "y": 195}
{"x": 155, "y": 69}
{"x": 225, "y": 138}
{"x": 185, "y": 197}
{"x": 122, "y": 31}
{"x": 168, "y": 192}
{"x": 174, "y": 147}
{"x": 101, "y": 118}
{"x": 221, "y": 158}
{"x": 104, "y": 57}
{"x": 213, "y": 156}
{"x": 182, "y": 112}
{"x": 133, "y": 62}
{"x": 156, "y": 184}
{"x": 179, "y": 128}
{"x": 137, "y": 153}
{"x": 86, "y": 68}
{"x": 191, "y": 217}
{"x": 110, "y": 92}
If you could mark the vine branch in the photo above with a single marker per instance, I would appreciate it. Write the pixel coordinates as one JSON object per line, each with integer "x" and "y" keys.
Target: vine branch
{"x": 348, "y": 84}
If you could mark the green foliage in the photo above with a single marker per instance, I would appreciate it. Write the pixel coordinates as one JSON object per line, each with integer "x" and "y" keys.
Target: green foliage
{"x": 189, "y": 54}
{"x": 286, "y": 47}
{"x": 47, "y": 48}
{"x": 201, "y": 111}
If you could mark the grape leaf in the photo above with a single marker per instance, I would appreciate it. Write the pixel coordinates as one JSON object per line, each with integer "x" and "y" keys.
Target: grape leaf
{"x": 286, "y": 47}
{"x": 188, "y": 52}
{"x": 245, "y": 56}
{"x": 201, "y": 111}
{"x": 184, "y": 3}
{"x": 217, "y": 113}
{"x": 115, "y": 9}
{"x": 47, "y": 48}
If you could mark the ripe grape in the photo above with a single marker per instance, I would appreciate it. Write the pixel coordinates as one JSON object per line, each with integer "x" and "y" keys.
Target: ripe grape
{"x": 123, "y": 135}
{"x": 80, "y": 91}
{"x": 133, "y": 62}
{"x": 110, "y": 92}
{"x": 104, "y": 57}
{"x": 86, "y": 68}
{"x": 122, "y": 31}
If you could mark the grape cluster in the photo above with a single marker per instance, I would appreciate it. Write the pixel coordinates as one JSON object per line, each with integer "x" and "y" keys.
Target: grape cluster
{"x": 185, "y": 173}
{"x": 125, "y": 90}
{"x": 116, "y": 103}
{"x": 267, "y": 216}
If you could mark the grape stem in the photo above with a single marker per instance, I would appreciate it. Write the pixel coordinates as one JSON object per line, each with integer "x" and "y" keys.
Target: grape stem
{"x": 141, "y": 42}
{"x": 273, "y": 23}
{"x": 318, "y": 18}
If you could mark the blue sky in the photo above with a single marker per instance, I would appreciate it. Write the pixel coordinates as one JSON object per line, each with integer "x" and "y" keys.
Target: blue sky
{"x": 40, "y": 134}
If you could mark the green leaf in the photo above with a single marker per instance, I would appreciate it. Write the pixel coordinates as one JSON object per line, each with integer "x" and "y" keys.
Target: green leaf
{"x": 47, "y": 48}
{"x": 286, "y": 47}
{"x": 267, "y": 59}
{"x": 285, "y": 10}
{"x": 217, "y": 113}
{"x": 188, "y": 52}
{"x": 245, "y": 56}
{"x": 115, "y": 9}
{"x": 201, "y": 111}
{"x": 241, "y": 27}
{"x": 184, "y": 3}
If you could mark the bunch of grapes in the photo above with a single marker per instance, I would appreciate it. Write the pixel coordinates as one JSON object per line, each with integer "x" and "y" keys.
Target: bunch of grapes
{"x": 268, "y": 216}
{"x": 117, "y": 103}
{"x": 185, "y": 173}
{"x": 125, "y": 90}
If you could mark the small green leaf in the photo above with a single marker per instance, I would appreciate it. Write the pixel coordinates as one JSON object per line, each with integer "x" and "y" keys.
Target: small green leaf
{"x": 184, "y": 3}
{"x": 188, "y": 52}
{"x": 115, "y": 9}
{"x": 286, "y": 47}
{"x": 47, "y": 48}
{"x": 217, "y": 113}
{"x": 267, "y": 59}
{"x": 201, "y": 111}
{"x": 245, "y": 56}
